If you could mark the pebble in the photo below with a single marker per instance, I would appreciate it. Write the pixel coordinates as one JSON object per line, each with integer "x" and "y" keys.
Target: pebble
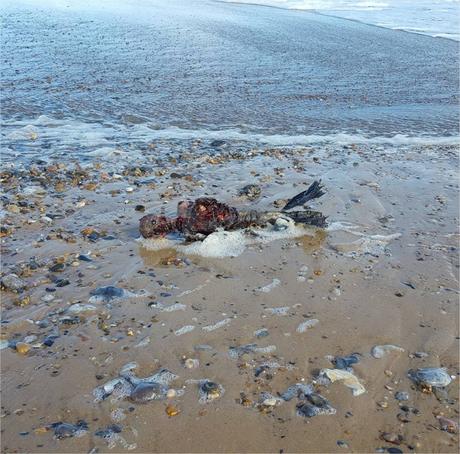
{"x": 79, "y": 308}
{"x": 343, "y": 362}
{"x": 430, "y": 376}
{"x": 14, "y": 283}
{"x": 402, "y": 395}
{"x": 261, "y": 333}
{"x": 57, "y": 267}
{"x": 4, "y": 344}
{"x": 391, "y": 437}
{"x": 448, "y": 425}
{"x": 23, "y": 348}
{"x": 191, "y": 363}
{"x": 172, "y": 411}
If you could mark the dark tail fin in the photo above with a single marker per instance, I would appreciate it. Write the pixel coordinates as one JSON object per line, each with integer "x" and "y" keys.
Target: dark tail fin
{"x": 313, "y": 192}
{"x": 308, "y": 217}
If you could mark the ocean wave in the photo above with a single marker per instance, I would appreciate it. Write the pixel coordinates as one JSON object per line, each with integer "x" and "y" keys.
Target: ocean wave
{"x": 100, "y": 139}
{"x": 436, "y": 18}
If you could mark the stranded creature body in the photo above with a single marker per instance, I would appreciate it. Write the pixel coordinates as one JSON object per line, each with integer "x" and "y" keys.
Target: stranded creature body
{"x": 205, "y": 215}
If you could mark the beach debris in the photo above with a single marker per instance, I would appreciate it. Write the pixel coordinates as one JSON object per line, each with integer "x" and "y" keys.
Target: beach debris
{"x": 66, "y": 430}
{"x": 315, "y": 405}
{"x": 184, "y": 330}
{"x": 306, "y": 325}
{"x": 237, "y": 352}
{"x": 206, "y": 215}
{"x": 269, "y": 287}
{"x": 344, "y": 362}
{"x": 348, "y": 378}
{"x": 430, "y": 377}
{"x": 217, "y": 325}
{"x": 379, "y": 351}
{"x": 250, "y": 192}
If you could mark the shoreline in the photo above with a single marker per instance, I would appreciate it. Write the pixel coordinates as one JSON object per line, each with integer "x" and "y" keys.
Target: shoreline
{"x": 346, "y": 278}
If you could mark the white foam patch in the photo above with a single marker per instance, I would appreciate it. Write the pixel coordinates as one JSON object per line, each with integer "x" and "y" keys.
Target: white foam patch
{"x": 269, "y": 287}
{"x": 304, "y": 326}
{"x": 222, "y": 244}
{"x": 217, "y": 325}
{"x": 185, "y": 329}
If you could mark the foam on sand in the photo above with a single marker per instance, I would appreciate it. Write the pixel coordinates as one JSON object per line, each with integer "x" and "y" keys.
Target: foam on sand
{"x": 222, "y": 243}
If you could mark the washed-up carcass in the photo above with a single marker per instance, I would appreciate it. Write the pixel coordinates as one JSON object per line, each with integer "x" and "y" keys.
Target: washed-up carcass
{"x": 205, "y": 215}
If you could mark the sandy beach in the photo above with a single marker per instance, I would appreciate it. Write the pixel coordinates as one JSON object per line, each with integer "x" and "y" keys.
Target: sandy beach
{"x": 243, "y": 329}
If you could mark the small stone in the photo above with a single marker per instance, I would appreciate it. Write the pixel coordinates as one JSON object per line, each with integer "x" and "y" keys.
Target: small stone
{"x": 391, "y": 437}
{"x": 402, "y": 395}
{"x": 383, "y": 404}
{"x": 14, "y": 283}
{"x": 57, "y": 268}
{"x": 172, "y": 411}
{"x": 139, "y": 208}
{"x": 250, "y": 191}
{"x": 448, "y": 425}
{"x": 191, "y": 363}
{"x": 22, "y": 301}
{"x": 171, "y": 393}
{"x": 22, "y": 348}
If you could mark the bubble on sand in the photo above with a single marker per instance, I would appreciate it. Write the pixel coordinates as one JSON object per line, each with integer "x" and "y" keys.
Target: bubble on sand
{"x": 184, "y": 330}
{"x": 280, "y": 311}
{"x": 223, "y": 243}
{"x": 217, "y": 325}
{"x": 269, "y": 287}
{"x": 236, "y": 352}
{"x": 304, "y": 326}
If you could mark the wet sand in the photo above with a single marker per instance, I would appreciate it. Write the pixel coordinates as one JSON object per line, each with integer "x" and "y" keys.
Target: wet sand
{"x": 385, "y": 271}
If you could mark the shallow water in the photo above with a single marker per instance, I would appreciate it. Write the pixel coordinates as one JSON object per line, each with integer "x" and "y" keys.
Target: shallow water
{"x": 438, "y": 18}
{"x": 113, "y": 75}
